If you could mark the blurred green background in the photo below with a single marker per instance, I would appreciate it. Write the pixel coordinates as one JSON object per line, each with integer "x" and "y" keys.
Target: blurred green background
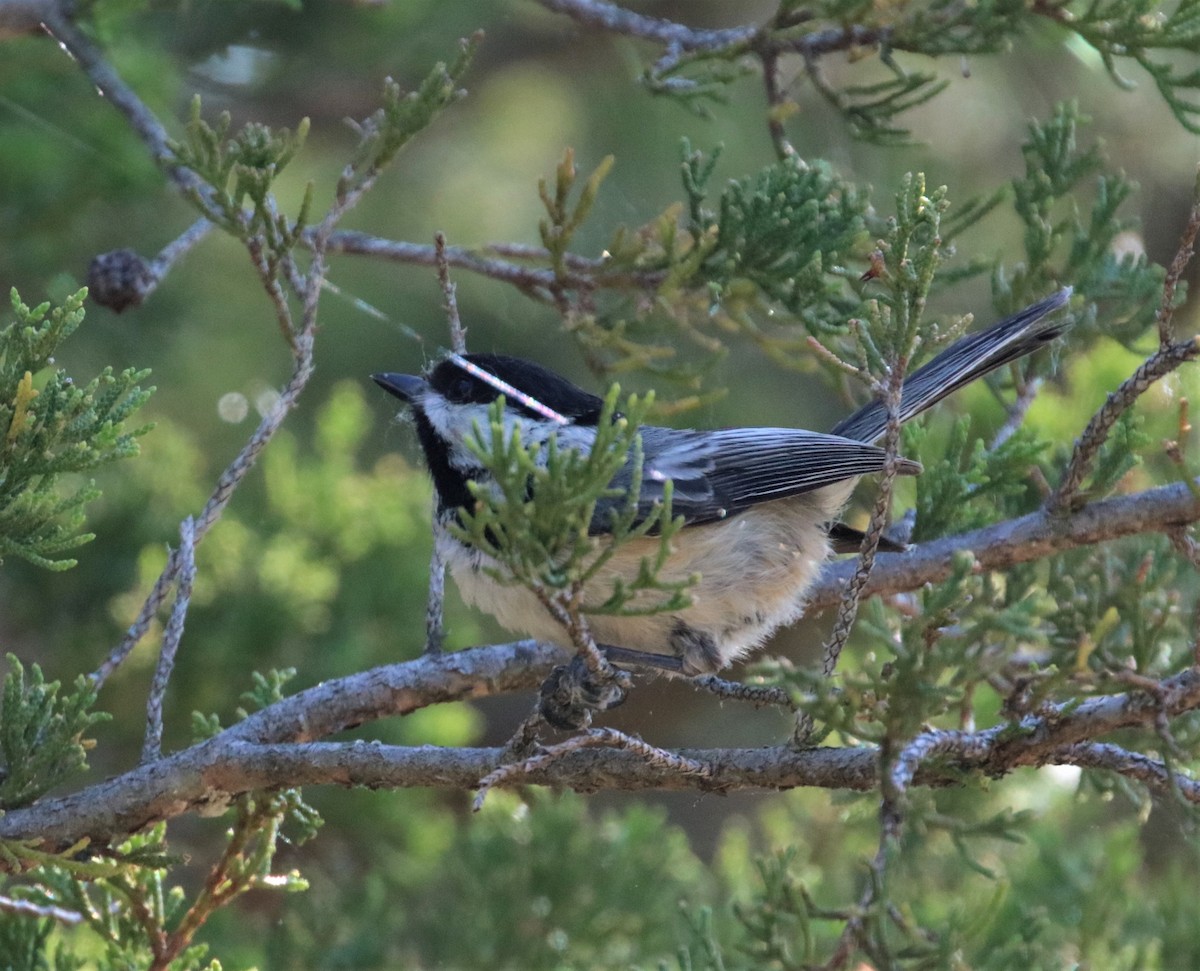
{"x": 320, "y": 563}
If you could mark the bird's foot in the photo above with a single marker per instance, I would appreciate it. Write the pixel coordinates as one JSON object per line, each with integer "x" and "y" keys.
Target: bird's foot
{"x": 573, "y": 691}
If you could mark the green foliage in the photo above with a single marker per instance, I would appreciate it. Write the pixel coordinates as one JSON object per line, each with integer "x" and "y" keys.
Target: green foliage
{"x": 1048, "y": 904}
{"x": 55, "y": 430}
{"x": 1120, "y": 454}
{"x": 26, "y": 946}
{"x": 1120, "y": 29}
{"x": 402, "y": 116}
{"x": 536, "y": 518}
{"x": 126, "y": 911}
{"x": 133, "y": 916}
{"x": 42, "y": 735}
{"x": 870, "y": 110}
{"x": 788, "y": 230}
{"x": 242, "y": 168}
{"x": 887, "y": 40}
{"x": 540, "y": 881}
{"x": 549, "y": 881}
{"x": 1061, "y": 245}
{"x": 911, "y": 252}
{"x": 563, "y": 220}
{"x": 971, "y": 484}
{"x": 1116, "y": 607}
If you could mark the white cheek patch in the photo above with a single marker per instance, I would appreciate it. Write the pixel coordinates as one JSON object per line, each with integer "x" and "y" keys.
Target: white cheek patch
{"x": 459, "y": 424}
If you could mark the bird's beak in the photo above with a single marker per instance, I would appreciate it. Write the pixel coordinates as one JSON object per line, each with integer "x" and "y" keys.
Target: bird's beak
{"x": 406, "y": 387}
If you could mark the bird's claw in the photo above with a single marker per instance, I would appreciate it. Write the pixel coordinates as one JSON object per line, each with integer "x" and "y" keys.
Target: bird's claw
{"x": 573, "y": 691}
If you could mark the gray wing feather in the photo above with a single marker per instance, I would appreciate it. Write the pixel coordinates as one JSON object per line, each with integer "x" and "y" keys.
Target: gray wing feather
{"x": 722, "y": 473}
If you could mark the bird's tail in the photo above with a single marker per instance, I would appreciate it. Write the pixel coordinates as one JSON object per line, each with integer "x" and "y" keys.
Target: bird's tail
{"x": 961, "y": 363}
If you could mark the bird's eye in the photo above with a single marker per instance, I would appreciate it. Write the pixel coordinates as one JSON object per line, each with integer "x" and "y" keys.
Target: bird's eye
{"x": 461, "y": 391}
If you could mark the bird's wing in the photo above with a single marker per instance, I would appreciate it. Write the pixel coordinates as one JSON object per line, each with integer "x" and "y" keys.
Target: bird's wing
{"x": 722, "y": 473}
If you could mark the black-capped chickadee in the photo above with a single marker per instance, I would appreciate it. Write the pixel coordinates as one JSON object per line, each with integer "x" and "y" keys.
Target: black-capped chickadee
{"x": 760, "y": 505}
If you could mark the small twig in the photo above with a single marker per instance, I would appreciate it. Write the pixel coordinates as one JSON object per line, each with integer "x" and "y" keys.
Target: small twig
{"x": 117, "y": 93}
{"x": 1183, "y": 256}
{"x": 757, "y": 694}
{"x": 458, "y": 334}
{"x": 436, "y": 598}
{"x": 274, "y": 289}
{"x": 1166, "y": 359}
{"x": 152, "y": 743}
{"x": 434, "y": 603}
{"x": 1026, "y": 393}
{"x": 851, "y": 597}
{"x": 608, "y": 737}
{"x": 607, "y": 16}
{"x": 537, "y": 283}
{"x": 525, "y": 738}
{"x": 1154, "y": 774}
{"x": 1185, "y": 544}
{"x": 823, "y": 352}
{"x": 776, "y": 105}
{"x": 178, "y": 247}
{"x": 1161, "y": 363}
{"x": 226, "y": 485}
{"x": 27, "y": 908}
{"x": 580, "y": 632}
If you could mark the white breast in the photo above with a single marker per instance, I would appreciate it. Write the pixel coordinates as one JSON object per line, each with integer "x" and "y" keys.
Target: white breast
{"x": 754, "y": 570}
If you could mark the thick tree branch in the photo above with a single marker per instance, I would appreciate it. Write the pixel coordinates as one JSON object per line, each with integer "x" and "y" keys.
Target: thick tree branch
{"x": 1005, "y": 544}
{"x": 142, "y": 796}
{"x": 207, "y": 776}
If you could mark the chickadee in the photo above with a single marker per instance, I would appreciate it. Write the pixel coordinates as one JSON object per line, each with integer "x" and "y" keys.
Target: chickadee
{"x": 760, "y": 505}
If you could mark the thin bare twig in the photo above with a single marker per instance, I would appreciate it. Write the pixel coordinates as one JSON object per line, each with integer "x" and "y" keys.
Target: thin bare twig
{"x": 852, "y": 595}
{"x": 434, "y": 603}
{"x": 1185, "y": 544}
{"x": 226, "y": 486}
{"x": 152, "y": 743}
{"x": 776, "y": 105}
{"x": 615, "y": 20}
{"x": 1026, "y": 393}
{"x": 609, "y": 737}
{"x": 1183, "y": 256}
{"x": 581, "y": 273}
{"x": 458, "y": 333}
{"x": 756, "y": 694}
{"x": 117, "y": 93}
{"x": 27, "y": 908}
{"x": 1152, "y": 773}
{"x": 1087, "y": 447}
